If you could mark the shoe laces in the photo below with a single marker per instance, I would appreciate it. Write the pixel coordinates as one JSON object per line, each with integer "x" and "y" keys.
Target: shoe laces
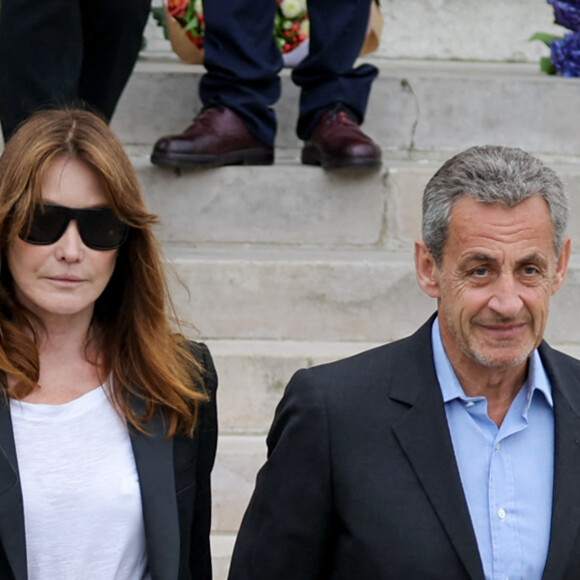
{"x": 342, "y": 115}
{"x": 204, "y": 115}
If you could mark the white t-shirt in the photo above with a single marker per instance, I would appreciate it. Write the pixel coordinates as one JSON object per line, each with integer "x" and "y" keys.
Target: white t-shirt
{"x": 82, "y": 502}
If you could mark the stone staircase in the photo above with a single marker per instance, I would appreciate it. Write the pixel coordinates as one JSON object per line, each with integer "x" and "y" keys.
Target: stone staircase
{"x": 287, "y": 266}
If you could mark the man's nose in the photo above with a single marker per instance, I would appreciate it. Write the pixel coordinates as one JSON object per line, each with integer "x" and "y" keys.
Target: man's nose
{"x": 506, "y": 299}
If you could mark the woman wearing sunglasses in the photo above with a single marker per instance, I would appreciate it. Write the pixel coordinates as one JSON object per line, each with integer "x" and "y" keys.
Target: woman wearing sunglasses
{"x": 108, "y": 425}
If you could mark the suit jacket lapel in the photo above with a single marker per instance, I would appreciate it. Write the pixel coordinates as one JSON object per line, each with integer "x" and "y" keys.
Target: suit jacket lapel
{"x": 566, "y": 499}
{"x": 424, "y": 435}
{"x": 154, "y": 459}
{"x": 12, "y": 535}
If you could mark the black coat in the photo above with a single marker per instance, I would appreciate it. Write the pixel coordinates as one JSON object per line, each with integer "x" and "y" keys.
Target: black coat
{"x": 361, "y": 480}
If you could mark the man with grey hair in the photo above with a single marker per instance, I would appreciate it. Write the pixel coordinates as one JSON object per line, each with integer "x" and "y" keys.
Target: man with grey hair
{"x": 452, "y": 454}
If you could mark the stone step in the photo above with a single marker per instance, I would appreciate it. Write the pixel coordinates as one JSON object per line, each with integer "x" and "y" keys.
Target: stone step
{"x": 222, "y": 546}
{"x": 238, "y": 460}
{"x": 297, "y": 294}
{"x": 295, "y": 205}
{"x": 494, "y": 30}
{"x": 292, "y": 204}
{"x": 253, "y": 375}
{"x": 327, "y": 295}
{"x": 414, "y": 106}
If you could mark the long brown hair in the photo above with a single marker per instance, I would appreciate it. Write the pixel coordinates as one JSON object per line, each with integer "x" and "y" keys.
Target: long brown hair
{"x": 134, "y": 315}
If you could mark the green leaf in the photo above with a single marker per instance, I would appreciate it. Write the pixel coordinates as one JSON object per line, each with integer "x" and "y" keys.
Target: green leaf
{"x": 545, "y": 37}
{"x": 547, "y": 66}
{"x": 191, "y": 12}
{"x": 192, "y": 25}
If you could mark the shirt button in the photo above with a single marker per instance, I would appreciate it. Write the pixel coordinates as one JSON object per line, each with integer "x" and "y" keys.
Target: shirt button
{"x": 501, "y": 513}
{"x": 498, "y": 447}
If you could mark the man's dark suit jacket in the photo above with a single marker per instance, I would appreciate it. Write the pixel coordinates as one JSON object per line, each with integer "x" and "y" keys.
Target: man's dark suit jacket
{"x": 174, "y": 476}
{"x": 361, "y": 481}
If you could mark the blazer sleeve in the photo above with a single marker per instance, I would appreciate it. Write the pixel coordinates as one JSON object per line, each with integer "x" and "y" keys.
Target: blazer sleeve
{"x": 286, "y": 533}
{"x": 207, "y": 433}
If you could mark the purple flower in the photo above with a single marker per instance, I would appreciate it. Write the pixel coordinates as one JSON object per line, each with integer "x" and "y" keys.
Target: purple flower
{"x": 567, "y": 13}
{"x": 566, "y": 55}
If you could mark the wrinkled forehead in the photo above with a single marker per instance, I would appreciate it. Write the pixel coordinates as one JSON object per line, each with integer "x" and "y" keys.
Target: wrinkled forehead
{"x": 482, "y": 212}
{"x": 481, "y": 224}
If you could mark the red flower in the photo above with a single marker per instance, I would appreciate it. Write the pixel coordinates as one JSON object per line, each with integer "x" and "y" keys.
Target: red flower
{"x": 287, "y": 31}
{"x": 198, "y": 41}
{"x": 177, "y": 8}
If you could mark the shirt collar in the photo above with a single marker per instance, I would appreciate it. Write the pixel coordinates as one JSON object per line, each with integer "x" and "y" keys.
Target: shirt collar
{"x": 451, "y": 388}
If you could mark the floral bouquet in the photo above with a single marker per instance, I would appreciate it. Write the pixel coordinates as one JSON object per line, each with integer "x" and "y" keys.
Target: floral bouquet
{"x": 184, "y": 25}
{"x": 291, "y": 24}
{"x": 565, "y": 50}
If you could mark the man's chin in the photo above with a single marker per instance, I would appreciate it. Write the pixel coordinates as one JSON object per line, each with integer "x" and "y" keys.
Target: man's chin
{"x": 501, "y": 360}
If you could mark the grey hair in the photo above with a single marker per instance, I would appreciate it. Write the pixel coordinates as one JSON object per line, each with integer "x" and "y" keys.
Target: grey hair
{"x": 490, "y": 174}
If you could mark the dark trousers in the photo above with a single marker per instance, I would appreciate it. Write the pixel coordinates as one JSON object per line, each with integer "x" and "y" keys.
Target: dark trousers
{"x": 243, "y": 62}
{"x": 66, "y": 52}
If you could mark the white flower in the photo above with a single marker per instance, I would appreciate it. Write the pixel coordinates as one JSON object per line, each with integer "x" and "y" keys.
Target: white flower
{"x": 292, "y": 8}
{"x": 198, "y": 6}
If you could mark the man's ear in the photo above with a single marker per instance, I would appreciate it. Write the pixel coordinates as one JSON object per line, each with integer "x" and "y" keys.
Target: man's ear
{"x": 427, "y": 270}
{"x": 562, "y": 266}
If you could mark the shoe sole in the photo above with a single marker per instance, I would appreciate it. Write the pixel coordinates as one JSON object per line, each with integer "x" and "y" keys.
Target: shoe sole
{"x": 245, "y": 157}
{"x": 311, "y": 156}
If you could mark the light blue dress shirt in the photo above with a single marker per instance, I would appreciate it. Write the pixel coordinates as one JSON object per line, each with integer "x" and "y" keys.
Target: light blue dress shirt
{"x": 507, "y": 472}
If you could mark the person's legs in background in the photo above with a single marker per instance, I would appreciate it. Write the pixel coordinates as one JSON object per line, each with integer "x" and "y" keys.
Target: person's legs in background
{"x": 112, "y": 39}
{"x": 237, "y": 124}
{"x": 66, "y": 53}
{"x": 334, "y": 94}
{"x": 242, "y": 62}
{"x": 40, "y": 57}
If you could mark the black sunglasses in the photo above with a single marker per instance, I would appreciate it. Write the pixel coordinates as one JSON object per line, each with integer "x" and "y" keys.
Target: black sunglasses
{"x": 100, "y": 228}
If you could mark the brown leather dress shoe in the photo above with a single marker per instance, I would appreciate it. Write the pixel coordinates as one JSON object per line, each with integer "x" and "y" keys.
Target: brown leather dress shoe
{"x": 217, "y": 137}
{"x": 337, "y": 142}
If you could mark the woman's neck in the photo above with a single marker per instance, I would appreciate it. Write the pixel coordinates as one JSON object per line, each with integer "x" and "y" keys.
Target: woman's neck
{"x": 71, "y": 363}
